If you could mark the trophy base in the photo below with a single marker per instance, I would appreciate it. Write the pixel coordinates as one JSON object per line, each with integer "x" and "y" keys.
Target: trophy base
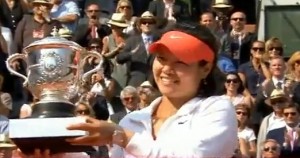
{"x": 46, "y": 133}
{"x": 52, "y": 110}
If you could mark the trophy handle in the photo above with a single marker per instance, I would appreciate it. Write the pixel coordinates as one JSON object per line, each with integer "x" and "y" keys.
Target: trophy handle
{"x": 85, "y": 76}
{"x": 9, "y": 62}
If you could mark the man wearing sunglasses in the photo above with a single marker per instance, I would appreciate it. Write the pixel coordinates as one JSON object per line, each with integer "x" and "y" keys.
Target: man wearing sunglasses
{"x": 275, "y": 120}
{"x": 289, "y": 135}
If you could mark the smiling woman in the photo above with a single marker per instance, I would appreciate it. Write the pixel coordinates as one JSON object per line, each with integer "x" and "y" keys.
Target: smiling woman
{"x": 173, "y": 125}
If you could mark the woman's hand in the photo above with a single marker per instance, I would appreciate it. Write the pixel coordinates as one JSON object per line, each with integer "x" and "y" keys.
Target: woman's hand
{"x": 99, "y": 132}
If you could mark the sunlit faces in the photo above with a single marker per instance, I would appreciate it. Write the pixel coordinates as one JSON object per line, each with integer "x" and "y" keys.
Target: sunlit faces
{"x": 207, "y": 19}
{"x": 232, "y": 82}
{"x": 291, "y": 115}
{"x": 93, "y": 11}
{"x": 277, "y": 66}
{"x": 257, "y": 50}
{"x": 40, "y": 8}
{"x": 238, "y": 21}
{"x": 130, "y": 101}
{"x": 147, "y": 26}
{"x": 242, "y": 115}
{"x": 175, "y": 78}
{"x": 125, "y": 8}
{"x": 271, "y": 150}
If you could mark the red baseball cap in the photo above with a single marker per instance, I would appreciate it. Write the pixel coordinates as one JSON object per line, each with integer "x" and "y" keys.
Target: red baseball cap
{"x": 185, "y": 47}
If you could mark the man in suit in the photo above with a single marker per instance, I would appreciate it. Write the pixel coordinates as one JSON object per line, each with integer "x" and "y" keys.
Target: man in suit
{"x": 135, "y": 53}
{"x": 288, "y": 136}
{"x": 91, "y": 27}
{"x": 277, "y": 68}
{"x": 130, "y": 99}
{"x": 169, "y": 9}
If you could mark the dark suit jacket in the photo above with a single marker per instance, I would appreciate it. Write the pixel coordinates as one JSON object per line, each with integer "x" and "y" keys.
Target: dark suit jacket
{"x": 100, "y": 108}
{"x": 117, "y": 117}
{"x": 139, "y": 63}
{"x": 82, "y": 35}
{"x": 180, "y": 9}
{"x": 278, "y": 135}
{"x": 245, "y": 47}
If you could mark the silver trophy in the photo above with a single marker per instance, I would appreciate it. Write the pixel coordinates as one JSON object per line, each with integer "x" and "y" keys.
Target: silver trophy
{"x": 54, "y": 76}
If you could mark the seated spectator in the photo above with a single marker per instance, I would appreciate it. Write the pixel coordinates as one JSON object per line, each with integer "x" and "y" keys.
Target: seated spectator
{"x": 84, "y": 109}
{"x": 125, "y": 7}
{"x": 244, "y": 132}
{"x": 275, "y": 120}
{"x": 271, "y": 149}
{"x": 129, "y": 97}
{"x": 66, "y": 12}
{"x": 233, "y": 90}
{"x": 147, "y": 93}
{"x": 288, "y": 136}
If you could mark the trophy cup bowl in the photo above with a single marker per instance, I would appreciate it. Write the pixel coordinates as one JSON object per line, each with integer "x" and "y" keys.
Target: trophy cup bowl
{"x": 54, "y": 74}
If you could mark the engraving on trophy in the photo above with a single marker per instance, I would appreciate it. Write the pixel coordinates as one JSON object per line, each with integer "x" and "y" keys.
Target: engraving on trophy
{"x": 51, "y": 65}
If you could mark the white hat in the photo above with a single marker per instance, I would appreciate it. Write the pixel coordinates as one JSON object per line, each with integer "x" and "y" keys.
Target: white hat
{"x": 222, "y": 4}
{"x": 118, "y": 19}
{"x": 146, "y": 84}
{"x": 45, "y": 2}
{"x": 276, "y": 94}
{"x": 147, "y": 16}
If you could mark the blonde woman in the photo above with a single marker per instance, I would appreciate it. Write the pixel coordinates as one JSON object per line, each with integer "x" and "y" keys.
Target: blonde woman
{"x": 125, "y": 7}
{"x": 273, "y": 48}
{"x": 294, "y": 67}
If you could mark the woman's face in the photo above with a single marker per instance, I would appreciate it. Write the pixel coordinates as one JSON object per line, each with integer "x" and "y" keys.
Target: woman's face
{"x": 176, "y": 79}
{"x": 232, "y": 83}
{"x": 125, "y": 8}
{"x": 242, "y": 115}
{"x": 39, "y": 9}
{"x": 82, "y": 110}
{"x": 270, "y": 150}
{"x": 297, "y": 66}
{"x": 275, "y": 50}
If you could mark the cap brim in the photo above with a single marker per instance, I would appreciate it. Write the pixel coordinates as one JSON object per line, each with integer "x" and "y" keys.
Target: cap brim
{"x": 222, "y": 6}
{"x": 117, "y": 24}
{"x": 186, "y": 48}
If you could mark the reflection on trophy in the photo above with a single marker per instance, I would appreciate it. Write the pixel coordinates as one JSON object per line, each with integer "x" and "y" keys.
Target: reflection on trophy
{"x": 54, "y": 75}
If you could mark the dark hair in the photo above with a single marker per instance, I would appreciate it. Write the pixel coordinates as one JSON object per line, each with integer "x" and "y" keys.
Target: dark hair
{"x": 292, "y": 105}
{"x": 208, "y": 12}
{"x": 241, "y": 88}
{"x": 257, "y": 41}
{"x": 208, "y": 86}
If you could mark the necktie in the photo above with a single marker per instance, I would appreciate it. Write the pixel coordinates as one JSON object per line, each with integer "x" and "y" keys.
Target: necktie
{"x": 93, "y": 32}
{"x": 279, "y": 85}
{"x": 147, "y": 42}
{"x": 292, "y": 136}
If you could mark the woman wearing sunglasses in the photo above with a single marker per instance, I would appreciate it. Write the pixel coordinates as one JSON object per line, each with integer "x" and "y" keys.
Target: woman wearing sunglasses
{"x": 233, "y": 90}
{"x": 187, "y": 120}
{"x": 271, "y": 149}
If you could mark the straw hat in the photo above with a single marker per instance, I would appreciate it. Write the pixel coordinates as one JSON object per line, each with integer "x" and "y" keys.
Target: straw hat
{"x": 277, "y": 94}
{"x": 5, "y": 142}
{"x": 64, "y": 32}
{"x": 222, "y": 4}
{"x": 118, "y": 19}
{"x": 146, "y": 84}
{"x": 147, "y": 16}
{"x": 45, "y": 2}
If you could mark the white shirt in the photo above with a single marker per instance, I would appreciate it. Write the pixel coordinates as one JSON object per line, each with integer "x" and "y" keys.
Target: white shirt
{"x": 247, "y": 134}
{"x": 200, "y": 128}
{"x": 98, "y": 88}
{"x": 7, "y": 35}
{"x": 275, "y": 81}
{"x": 275, "y": 122}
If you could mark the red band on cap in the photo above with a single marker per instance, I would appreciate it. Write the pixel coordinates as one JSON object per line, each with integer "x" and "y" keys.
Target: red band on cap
{"x": 185, "y": 47}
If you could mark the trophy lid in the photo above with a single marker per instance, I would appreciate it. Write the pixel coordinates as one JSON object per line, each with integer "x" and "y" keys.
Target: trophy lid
{"x": 56, "y": 40}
